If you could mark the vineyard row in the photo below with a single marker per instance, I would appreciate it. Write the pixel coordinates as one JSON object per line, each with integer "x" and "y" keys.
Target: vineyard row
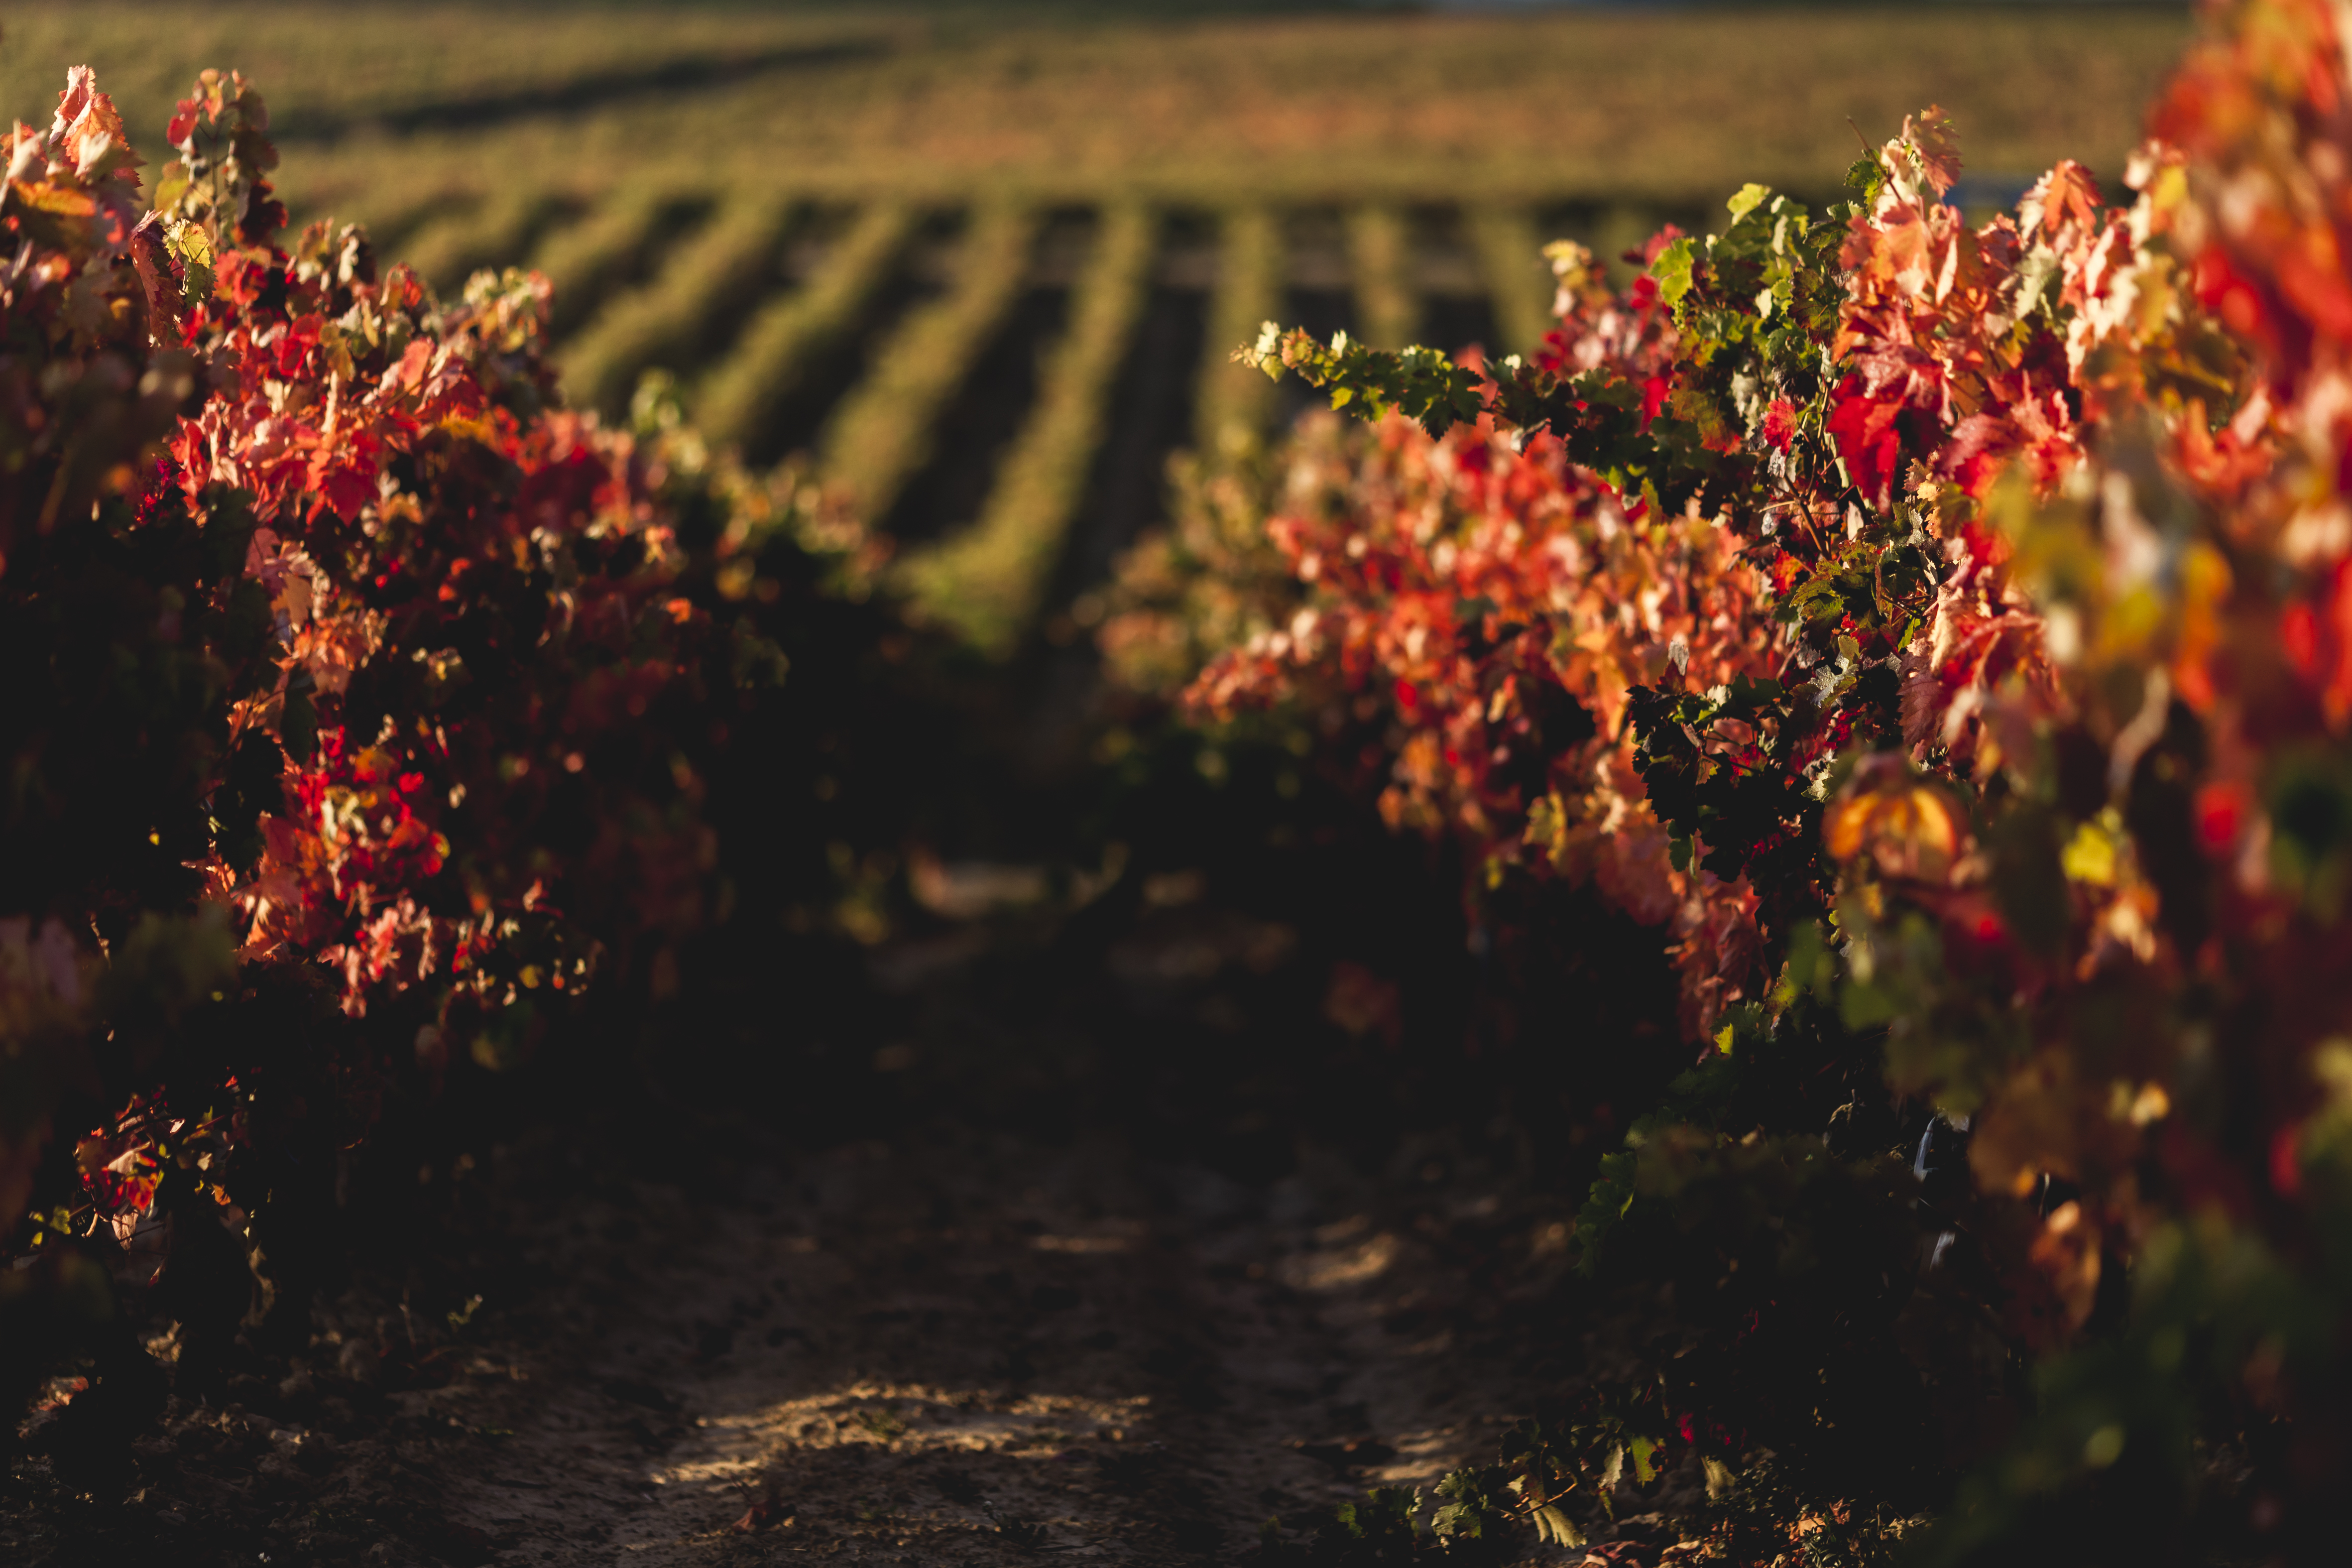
{"x": 967, "y": 376}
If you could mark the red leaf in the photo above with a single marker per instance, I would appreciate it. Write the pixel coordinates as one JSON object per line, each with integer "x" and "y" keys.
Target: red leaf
{"x": 1863, "y": 428}
{"x": 1930, "y": 136}
{"x": 1653, "y": 397}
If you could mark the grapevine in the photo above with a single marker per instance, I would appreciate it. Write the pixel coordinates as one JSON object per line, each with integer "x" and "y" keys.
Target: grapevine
{"x": 391, "y": 689}
{"x": 1930, "y": 630}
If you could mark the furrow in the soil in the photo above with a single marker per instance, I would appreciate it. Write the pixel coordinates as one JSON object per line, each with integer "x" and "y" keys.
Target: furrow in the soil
{"x": 1150, "y": 405}
{"x": 757, "y": 398}
{"x": 1149, "y": 413}
{"x": 976, "y": 426}
{"x": 612, "y": 248}
{"x": 686, "y": 315}
{"x": 916, "y": 278}
{"x": 885, "y": 429}
{"x": 988, "y": 580}
{"x": 494, "y": 234}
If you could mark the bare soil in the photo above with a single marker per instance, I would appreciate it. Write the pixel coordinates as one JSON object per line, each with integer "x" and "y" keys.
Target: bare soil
{"x": 951, "y": 1354}
{"x": 984, "y": 1338}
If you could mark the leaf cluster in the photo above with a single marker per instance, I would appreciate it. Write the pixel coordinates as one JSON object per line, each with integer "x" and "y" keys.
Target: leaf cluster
{"x": 366, "y": 707}
{"x": 1965, "y": 704}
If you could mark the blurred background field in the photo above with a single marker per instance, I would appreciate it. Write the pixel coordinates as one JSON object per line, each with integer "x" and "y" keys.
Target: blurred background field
{"x": 984, "y": 264}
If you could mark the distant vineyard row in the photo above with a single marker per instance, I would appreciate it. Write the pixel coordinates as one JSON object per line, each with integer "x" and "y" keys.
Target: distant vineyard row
{"x": 967, "y": 374}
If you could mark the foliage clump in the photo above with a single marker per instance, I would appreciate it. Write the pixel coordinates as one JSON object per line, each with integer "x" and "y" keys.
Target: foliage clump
{"x": 1934, "y": 633}
{"x": 362, "y": 708}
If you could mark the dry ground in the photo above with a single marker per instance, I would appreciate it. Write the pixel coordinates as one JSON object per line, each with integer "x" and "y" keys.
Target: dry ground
{"x": 966, "y": 1352}
{"x": 973, "y": 1351}
{"x": 979, "y": 1340}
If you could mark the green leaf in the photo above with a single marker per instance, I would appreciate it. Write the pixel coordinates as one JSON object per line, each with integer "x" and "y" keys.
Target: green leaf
{"x": 1423, "y": 384}
{"x": 194, "y": 247}
{"x": 1554, "y": 1527}
{"x": 1749, "y": 196}
{"x": 1865, "y": 176}
{"x": 1672, "y": 271}
{"x": 1867, "y": 1006}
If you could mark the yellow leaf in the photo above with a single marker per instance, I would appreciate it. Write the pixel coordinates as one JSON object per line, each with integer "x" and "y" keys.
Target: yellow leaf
{"x": 1554, "y": 1527}
{"x": 2090, "y": 857}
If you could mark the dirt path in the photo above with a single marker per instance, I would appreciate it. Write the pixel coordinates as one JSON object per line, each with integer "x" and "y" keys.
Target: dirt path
{"x": 939, "y": 1355}
{"x": 1035, "y": 1322}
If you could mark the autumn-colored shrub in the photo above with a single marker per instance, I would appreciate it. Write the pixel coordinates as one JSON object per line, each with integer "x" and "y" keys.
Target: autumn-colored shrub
{"x": 362, "y": 702}
{"x": 1936, "y": 635}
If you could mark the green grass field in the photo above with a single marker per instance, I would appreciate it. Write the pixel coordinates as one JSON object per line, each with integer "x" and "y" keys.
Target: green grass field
{"x": 978, "y": 264}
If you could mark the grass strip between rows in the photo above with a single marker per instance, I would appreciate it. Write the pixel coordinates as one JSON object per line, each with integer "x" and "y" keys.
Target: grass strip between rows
{"x": 400, "y": 205}
{"x": 493, "y": 234}
{"x": 1519, "y": 284}
{"x": 791, "y": 331}
{"x": 1379, "y": 262}
{"x": 1234, "y": 404}
{"x": 588, "y": 259}
{"x": 709, "y": 276}
{"x": 883, "y": 431}
{"x": 987, "y": 581}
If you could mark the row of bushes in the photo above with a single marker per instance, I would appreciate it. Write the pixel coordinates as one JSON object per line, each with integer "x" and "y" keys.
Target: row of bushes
{"x": 1934, "y": 638}
{"x": 790, "y": 336}
{"x": 366, "y": 708}
{"x": 878, "y": 437}
{"x": 990, "y": 581}
{"x": 705, "y": 284}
